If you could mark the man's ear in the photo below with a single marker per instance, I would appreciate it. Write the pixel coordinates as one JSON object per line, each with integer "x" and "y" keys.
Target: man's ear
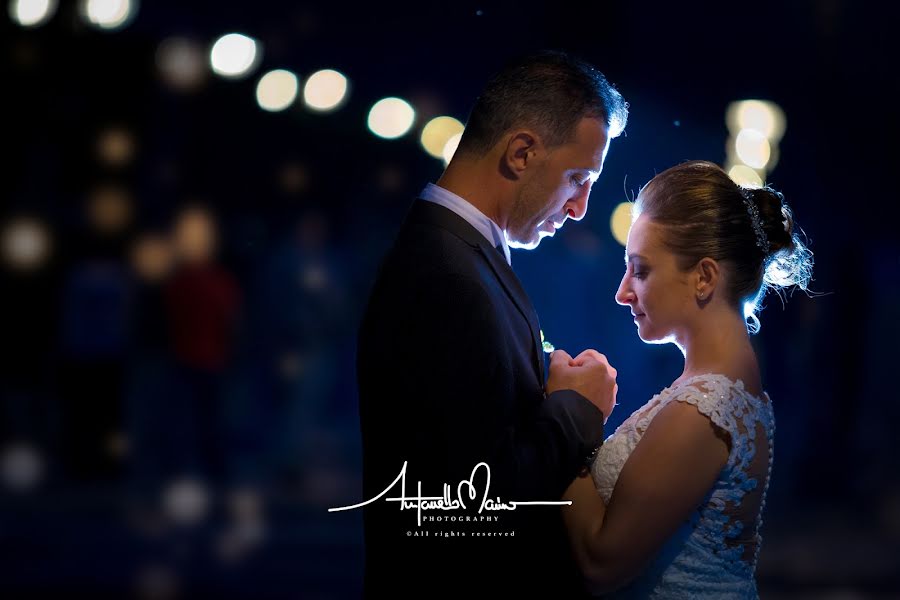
{"x": 523, "y": 147}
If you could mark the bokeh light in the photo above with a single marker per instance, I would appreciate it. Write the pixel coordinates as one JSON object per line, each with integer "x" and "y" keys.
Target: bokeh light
{"x": 391, "y": 118}
{"x": 234, "y": 55}
{"x": 759, "y": 115}
{"x": 31, "y": 13}
{"x": 108, "y": 14}
{"x": 620, "y": 222}
{"x": 116, "y": 146}
{"x": 450, "y": 147}
{"x": 152, "y": 257}
{"x": 110, "y": 208}
{"x": 186, "y": 501}
{"x": 277, "y": 90}
{"x": 247, "y": 529}
{"x": 21, "y": 467}
{"x": 182, "y": 63}
{"x": 314, "y": 277}
{"x": 437, "y": 132}
{"x": 325, "y": 90}
{"x": 752, "y": 148}
{"x": 745, "y": 176}
{"x": 195, "y": 236}
{"x": 26, "y": 244}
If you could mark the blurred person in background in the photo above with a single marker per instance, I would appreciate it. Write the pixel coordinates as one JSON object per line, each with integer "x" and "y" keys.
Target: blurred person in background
{"x": 150, "y": 379}
{"x": 97, "y": 310}
{"x": 202, "y": 302}
{"x": 303, "y": 313}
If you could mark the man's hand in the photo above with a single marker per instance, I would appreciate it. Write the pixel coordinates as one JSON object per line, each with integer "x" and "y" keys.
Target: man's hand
{"x": 589, "y": 374}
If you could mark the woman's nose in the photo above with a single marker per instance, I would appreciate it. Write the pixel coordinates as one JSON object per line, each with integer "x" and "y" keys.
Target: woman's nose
{"x": 624, "y": 296}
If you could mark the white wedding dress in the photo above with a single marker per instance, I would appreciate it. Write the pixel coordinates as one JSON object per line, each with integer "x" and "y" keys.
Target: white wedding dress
{"x": 714, "y": 553}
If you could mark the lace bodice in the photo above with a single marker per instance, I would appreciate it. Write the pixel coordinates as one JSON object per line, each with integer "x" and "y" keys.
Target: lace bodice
{"x": 714, "y": 553}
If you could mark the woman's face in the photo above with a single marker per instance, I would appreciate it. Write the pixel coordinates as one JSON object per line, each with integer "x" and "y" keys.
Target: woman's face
{"x": 660, "y": 295}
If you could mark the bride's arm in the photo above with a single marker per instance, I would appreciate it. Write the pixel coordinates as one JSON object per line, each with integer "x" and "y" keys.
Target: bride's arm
{"x": 668, "y": 474}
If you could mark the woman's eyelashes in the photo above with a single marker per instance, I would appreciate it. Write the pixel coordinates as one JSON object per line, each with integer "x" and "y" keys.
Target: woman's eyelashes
{"x": 638, "y": 272}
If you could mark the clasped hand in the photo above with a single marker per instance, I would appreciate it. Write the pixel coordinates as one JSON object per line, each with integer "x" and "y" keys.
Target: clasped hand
{"x": 589, "y": 374}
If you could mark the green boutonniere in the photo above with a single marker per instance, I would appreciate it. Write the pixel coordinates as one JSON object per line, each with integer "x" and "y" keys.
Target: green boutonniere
{"x": 548, "y": 347}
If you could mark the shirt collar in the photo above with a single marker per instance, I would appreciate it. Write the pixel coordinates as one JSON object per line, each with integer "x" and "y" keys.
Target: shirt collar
{"x": 477, "y": 219}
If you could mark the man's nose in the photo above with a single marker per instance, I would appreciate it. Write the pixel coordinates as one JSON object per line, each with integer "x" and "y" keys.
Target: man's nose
{"x": 577, "y": 207}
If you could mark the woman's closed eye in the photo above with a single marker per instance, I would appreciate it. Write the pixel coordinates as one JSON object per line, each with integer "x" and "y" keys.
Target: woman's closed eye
{"x": 638, "y": 271}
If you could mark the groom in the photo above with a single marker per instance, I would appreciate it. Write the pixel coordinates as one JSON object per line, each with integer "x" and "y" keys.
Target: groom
{"x": 450, "y": 365}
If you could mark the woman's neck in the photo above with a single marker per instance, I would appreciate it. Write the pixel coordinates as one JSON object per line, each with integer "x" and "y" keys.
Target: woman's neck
{"x": 721, "y": 344}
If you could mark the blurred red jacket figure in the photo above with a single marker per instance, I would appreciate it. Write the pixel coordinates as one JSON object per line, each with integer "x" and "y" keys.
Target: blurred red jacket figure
{"x": 202, "y": 303}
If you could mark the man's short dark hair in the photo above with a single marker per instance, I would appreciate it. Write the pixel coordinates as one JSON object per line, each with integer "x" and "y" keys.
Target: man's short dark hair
{"x": 550, "y": 92}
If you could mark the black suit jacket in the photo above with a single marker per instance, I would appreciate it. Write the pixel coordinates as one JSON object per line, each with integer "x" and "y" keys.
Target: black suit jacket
{"x": 451, "y": 373}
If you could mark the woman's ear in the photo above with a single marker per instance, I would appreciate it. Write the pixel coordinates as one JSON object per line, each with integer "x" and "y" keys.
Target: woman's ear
{"x": 707, "y": 278}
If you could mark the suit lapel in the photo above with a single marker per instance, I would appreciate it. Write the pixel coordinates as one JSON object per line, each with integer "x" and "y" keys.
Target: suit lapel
{"x": 423, "y": 211}
{"x": 514, "y": 289}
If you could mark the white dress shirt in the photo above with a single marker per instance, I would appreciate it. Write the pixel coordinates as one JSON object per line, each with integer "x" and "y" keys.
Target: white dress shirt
{"x": 477, "y": 219}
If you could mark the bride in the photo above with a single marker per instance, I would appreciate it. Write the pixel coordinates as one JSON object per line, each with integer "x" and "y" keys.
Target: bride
{"x": 674, "y": 502}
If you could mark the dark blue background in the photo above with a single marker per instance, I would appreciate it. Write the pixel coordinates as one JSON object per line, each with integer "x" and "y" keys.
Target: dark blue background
{"x": 85, "y": 353}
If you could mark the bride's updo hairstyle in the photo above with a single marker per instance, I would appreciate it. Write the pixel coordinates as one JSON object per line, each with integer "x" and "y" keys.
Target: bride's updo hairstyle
{"x": 750, "y": 231}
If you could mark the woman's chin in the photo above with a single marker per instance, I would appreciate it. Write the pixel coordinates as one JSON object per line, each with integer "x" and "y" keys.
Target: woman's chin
{"x": 649, "y": 336}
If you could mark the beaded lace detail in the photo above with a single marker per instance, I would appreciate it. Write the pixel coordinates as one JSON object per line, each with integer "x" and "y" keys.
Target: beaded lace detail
{"x": 716, "y": 551}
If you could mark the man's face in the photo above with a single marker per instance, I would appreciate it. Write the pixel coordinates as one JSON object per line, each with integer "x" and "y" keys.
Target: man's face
{"x": 560, "y": 186}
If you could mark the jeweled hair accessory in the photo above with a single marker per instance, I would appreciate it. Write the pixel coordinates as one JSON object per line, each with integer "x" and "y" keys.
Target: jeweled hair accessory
{"x": 762, "y": 240}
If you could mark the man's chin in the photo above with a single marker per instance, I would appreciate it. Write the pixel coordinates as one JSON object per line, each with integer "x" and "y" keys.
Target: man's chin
{"x": 531, "y": 243}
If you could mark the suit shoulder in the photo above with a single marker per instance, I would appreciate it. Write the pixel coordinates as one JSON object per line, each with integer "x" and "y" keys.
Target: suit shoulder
{"x": 425, "y": 250}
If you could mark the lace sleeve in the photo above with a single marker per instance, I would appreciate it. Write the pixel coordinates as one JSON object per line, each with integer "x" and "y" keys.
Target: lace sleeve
{"x": 717, "y": 400}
